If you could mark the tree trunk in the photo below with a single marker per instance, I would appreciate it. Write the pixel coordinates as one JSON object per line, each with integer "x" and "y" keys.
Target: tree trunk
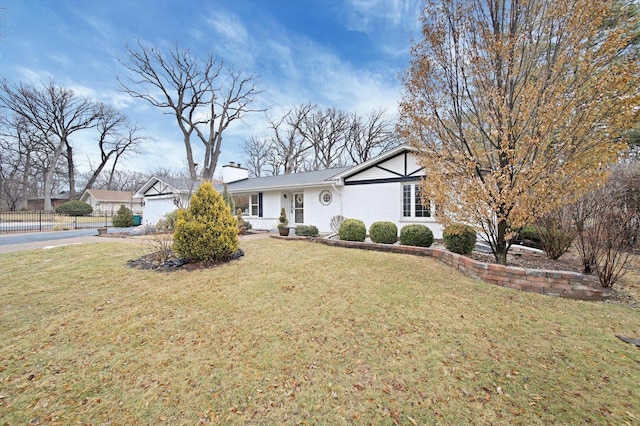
{"x": 71, "y": 173}
{"x": 48, "y": 177}
{"x": 94, "y": 176}
{"x": 501, "y": 243}
{"x": 24, "y": 191}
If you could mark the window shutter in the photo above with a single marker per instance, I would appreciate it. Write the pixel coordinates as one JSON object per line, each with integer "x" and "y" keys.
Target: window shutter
{"x": 259, "y": 204}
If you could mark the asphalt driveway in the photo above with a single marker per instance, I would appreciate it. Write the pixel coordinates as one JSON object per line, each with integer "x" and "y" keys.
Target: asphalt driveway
{"x": 10, "y": 243}
{"x": 34, "y": 240}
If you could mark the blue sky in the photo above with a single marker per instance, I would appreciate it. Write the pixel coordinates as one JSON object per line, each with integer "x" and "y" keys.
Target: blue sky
{"x": 347, "y": 54}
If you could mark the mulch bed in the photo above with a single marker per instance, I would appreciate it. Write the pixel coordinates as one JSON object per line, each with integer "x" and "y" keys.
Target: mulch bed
{"x": 156, "y": 262}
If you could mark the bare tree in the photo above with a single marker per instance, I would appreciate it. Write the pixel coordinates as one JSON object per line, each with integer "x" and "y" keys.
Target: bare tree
{"x": 290, "y": 147}
{"x": 17, "y": 151}
{"x": 325, "y": 132}
{"x": 258, "y": 152}
{"x": 369, "y": 136}
{"x": 607, "y": 222}
{"x": 115, "y": 140}
{"x": 307, "y": 138}
{"x": 557, "y": 231}
{"x": 54, "y": 114}
{"x": 202, "y": 97}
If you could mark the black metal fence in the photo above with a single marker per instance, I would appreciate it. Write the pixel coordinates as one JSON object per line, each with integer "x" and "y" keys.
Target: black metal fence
{"x": 25, "y": 221}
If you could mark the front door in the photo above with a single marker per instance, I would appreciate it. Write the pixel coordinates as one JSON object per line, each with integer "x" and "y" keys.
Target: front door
{"x": 298, "y": 208}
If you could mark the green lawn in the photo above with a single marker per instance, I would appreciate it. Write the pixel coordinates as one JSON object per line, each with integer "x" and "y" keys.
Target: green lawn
{"x": 301, "y": 333}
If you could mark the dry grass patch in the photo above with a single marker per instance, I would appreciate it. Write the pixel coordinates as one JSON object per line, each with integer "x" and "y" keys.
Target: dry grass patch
{"x": 300, "y": 333}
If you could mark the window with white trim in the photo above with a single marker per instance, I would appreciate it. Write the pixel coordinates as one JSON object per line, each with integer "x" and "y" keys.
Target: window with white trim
{"x": 412, "y": 203}
{"x": 249, "y": 204}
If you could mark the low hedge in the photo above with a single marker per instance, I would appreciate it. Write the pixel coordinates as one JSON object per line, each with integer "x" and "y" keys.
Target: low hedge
{"x": 74, "y": 208}
{"x": 416, "y": 235}
{"x": 383, "y": 232}
{"x": 352, "y": 230}
{"x": 459, "y": 238}
{"x": 307, "y": 231}
{"x": 529, "y": 236}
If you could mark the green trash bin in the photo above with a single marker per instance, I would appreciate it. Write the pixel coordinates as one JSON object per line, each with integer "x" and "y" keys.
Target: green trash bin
{"x": 137, "y": 220}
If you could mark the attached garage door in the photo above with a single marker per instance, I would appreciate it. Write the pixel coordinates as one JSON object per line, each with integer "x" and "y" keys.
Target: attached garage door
{"x": 155, "y": 208}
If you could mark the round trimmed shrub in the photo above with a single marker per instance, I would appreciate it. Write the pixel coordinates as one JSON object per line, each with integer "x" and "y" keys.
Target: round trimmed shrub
{"x": 352, "y": 230}
{"x": 383, "y": 232}
{"x": 416, "y": 235}
{"x": 74, "y": 208}
{"x": 206, "y": 231}
{"x": 459, "y": 238}
{"x": 123, "y": 217}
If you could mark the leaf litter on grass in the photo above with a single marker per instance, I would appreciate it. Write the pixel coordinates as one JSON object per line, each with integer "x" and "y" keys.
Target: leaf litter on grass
{"x": 301, "y": 333}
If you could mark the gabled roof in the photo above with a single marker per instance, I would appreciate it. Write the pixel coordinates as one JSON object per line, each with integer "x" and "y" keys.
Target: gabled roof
{"x": 292, "y": 180}
{"x": 375, "y": 160}
{"x": 108, "y": 196}
{"x": 171, "y": 185}
{"x": 317, "y": 178}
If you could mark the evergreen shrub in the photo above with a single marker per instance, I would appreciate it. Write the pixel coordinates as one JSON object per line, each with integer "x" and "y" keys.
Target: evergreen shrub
{"x": 530, "y": 237}
{"x": 416, "y": 235}
{"x": 352, "y": 230}
{"x": 283, "y": 222}
{"x": 74, "y": 208}
{"x": 383, "y": 232}
{"x": 206, "y": 231}
{"x": 123, "y": 217}
{"x": 459, "y": 238}
{"x": 307, "y": 231}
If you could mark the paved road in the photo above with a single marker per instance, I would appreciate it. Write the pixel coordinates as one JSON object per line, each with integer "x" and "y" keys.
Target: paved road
{"x": 33, "y": 240}
{"x": 10, "y": 243}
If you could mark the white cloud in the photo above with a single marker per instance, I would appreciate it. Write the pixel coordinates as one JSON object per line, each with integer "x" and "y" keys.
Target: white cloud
{"x": 36, "y": 77}
{"x": 228, "y": 25}
{"x": 366, "y": 15}
{"x": 389, "y": 23}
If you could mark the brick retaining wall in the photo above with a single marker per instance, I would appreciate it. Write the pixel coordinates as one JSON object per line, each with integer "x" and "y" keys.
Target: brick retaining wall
{"x": 553, "y": 283}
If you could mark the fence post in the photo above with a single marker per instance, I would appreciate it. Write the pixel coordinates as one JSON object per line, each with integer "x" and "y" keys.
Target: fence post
{"x": 40, "y": 220}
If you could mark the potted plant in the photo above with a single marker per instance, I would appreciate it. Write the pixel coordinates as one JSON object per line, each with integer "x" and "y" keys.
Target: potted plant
{"x": 243, "y": 225}
{"x": 282, "y": 226}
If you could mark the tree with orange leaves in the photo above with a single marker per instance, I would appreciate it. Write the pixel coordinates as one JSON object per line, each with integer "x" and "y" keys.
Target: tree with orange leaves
{"x": 516, "y": 106}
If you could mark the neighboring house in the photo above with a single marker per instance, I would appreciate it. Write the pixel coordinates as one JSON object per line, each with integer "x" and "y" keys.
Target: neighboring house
{"x": 163, "y": 194}
{"x": 37, "y": 204}
{"x": 108, "y": 202}
{"x": 384, "y": 188}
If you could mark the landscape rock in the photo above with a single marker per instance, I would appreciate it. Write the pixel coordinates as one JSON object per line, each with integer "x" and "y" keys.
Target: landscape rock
{"x": 142, "y": 230}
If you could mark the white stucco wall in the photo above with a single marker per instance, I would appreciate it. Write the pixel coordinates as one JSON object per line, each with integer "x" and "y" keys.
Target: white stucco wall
{"x": 369, "y": 203}
{"x": 314, "y": 212}
{"x": 380, "y": 202}
{"x": 318, "y": 214}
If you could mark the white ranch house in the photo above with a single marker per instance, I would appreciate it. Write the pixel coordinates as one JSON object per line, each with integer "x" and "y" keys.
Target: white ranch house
{"x": 381, "y": 189}
{"x": 108, "y": 202}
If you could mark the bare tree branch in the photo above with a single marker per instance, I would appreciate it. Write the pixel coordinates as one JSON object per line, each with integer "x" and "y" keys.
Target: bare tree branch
{"x": 203, "y": 99}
